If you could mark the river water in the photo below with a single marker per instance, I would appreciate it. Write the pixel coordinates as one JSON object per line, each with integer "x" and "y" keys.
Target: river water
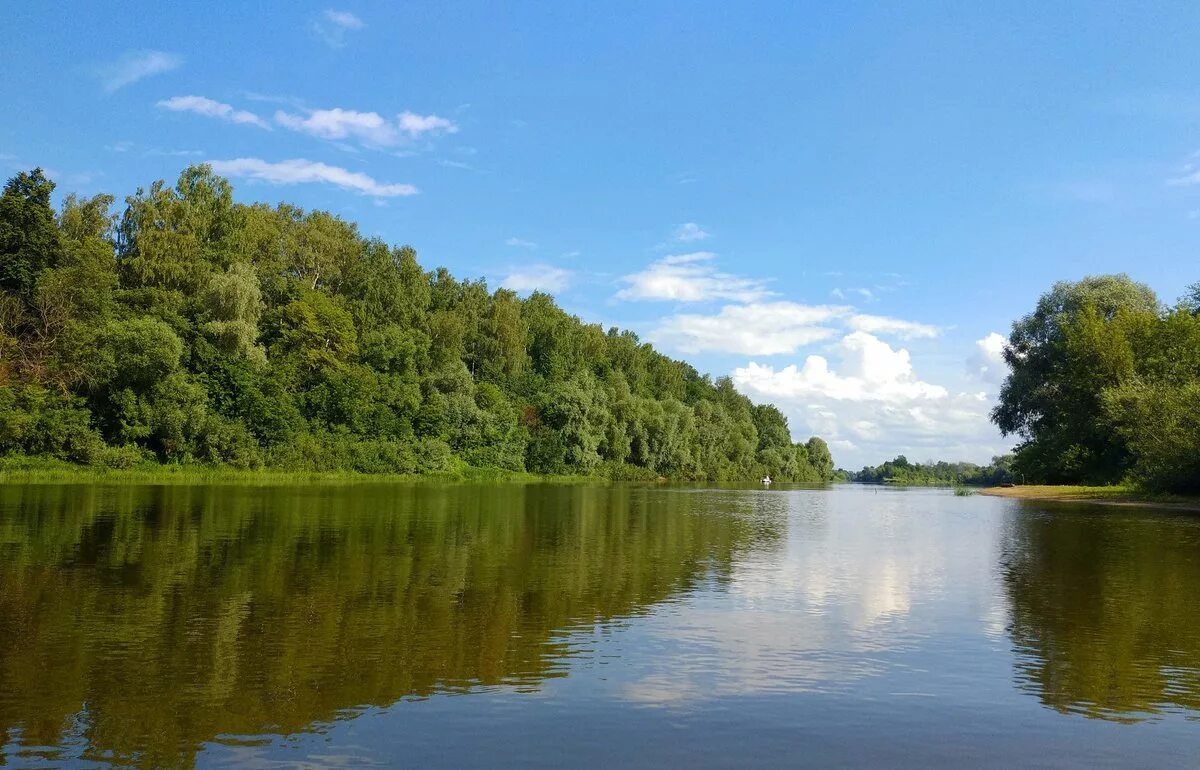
{"x": 547, "y": 625}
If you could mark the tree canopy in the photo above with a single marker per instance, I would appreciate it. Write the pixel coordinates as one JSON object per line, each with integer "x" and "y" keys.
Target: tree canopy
{"x": 1105, "y": 387}
{"x": 901, "y": 471}
{"x": 194, "y": 329}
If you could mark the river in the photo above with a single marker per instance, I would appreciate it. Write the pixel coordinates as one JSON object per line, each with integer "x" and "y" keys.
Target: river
{"x": 544, "y": 625}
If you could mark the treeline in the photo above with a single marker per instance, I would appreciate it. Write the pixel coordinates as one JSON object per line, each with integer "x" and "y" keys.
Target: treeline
{"x": 901, "y": 471}
{"x": 192, "y": 329}
{"x": 1105, "y": 387}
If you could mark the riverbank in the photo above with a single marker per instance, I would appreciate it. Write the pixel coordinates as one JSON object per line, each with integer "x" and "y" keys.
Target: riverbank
{"x": 49, "y": 472}
{"x": 1114, "y": 495}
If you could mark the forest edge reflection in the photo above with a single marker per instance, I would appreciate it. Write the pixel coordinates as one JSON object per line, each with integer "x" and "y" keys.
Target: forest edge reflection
{"x": 143, "y": 622}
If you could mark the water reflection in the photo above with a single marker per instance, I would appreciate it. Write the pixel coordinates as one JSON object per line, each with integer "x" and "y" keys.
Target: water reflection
{"x": 862, "y": 587}
{"x": 137, "y": 623}
{"x": 1105, "y": 614}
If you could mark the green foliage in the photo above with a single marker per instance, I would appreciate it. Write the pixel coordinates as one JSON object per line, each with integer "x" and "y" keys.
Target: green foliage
{"x": 901, "y": 471}
{"x": 29, "y": 236}
{"x": 1104, "y": 388}
{"x": 195, "y": 330}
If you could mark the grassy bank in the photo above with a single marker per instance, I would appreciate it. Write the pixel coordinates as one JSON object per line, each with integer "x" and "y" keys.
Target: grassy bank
{"x": 41, "y": 471}
{"x": 1111, "y": 495}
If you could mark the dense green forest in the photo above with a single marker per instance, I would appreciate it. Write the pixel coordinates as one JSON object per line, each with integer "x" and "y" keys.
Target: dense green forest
{"x": 901, "y": 471}
{"x": 1105, "y": 387}
{"x": 193, "y": 329}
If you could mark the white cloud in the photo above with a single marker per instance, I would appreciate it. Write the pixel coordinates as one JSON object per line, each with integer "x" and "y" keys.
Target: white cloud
{"x": 210, "y": 108}
{"x": 987, "y": 363}
{"x": 537, "y": 278}
{"x": 154, "y": 151}
{"x": 873, "y": 405}
{"x": 690, "y": 278}
{"x": 332, "y": 26}
{"x": 415, "y": 125}
{"x": 134, "y": 66}
{"x": 761, "y": 329}
{"x": 301, "y": 171}
{"x": 873, "y": 372}
{"x": 343, "y": 19}
{"x": 865, "y": 293}
{"x": 514, "y": 241}
{"x": 877, "y": 324}
{"x": 690, "y": 231}
{"x": 368, "y": 128}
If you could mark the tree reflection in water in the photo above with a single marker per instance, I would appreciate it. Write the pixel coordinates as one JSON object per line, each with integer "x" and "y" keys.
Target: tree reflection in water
{"x": 140, "y": 622}
{"x": 1105, "y": 616}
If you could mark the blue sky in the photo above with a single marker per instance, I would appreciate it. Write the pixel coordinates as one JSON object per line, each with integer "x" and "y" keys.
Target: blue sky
{"x": 863, "y": 192}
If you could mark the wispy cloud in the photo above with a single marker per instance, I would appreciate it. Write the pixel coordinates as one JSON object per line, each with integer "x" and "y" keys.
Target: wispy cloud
{"x": 331, "y": 27}
{"x": 418, "y": 125}
{"x": 368, "y": 128}
{"x": 154, "y": 151}
{"x": 1189, "y": 173}
{"x": 514, "y": 241}
{"x": 210, "y": 108}
{"x": 134, "y": 66}
{"x": 861, "y": 291}
{"x": 877, "y": 324}
{"x": 690, "y": 278}
{"x": 689, "y": 232}
{"x": 538, "y": 277}
{"x": 301, "y": 171}
{"x": 128, "y": 146}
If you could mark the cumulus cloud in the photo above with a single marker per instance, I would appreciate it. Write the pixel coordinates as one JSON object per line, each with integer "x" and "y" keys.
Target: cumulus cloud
{"x": 987, "y": 363}
{"x": 331, "y": 27}
{"x": 690, "y": 231}
{"x": 765, "y": 329}
{"x": 873, "y": 371}
{"x": 514, "y": 241}
{"x": 367, "y": 128}
{"x": 301, "y": 171}
{"x": 209, "y": 108}
{"x": 877, "y": 324}
{"x": 690, "y": 278}
{"x": 537, "y": 278}
{"x": 134, "y": 66}
{"x": 873, "y": 405}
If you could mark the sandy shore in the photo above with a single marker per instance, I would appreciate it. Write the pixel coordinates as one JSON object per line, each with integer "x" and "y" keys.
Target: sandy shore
{"x": 1101, "y": 495}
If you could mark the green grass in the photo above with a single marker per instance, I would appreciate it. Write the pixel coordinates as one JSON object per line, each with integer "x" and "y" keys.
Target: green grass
{"x": 26, "y": 470}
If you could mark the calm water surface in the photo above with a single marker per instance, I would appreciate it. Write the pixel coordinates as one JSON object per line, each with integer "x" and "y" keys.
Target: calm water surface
{"x": 507, "y": 625}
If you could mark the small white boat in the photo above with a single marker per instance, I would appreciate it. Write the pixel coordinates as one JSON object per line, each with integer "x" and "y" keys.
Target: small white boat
{"x": 766, "y": 480}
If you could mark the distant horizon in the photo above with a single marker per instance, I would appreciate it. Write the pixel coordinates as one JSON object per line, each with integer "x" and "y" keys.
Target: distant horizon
{"x": 843, "y": 210}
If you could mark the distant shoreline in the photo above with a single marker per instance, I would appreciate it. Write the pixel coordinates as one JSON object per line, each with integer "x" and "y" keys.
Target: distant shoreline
{"x": 1115, "y": 495}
